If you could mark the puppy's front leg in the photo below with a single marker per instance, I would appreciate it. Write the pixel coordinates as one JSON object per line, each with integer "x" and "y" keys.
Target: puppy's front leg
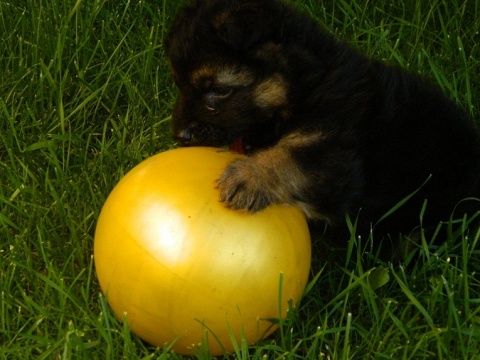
{"x": 271, "y": 176}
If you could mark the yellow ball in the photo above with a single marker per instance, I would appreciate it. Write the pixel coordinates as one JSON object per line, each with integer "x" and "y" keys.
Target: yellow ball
{"x": 183, "y": 269}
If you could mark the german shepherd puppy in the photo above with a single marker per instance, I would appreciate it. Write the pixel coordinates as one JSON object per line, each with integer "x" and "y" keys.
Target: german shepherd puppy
{"x": 326, "y": 128}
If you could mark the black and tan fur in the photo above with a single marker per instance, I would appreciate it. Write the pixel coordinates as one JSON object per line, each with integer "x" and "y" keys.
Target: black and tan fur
{"x": 325, "y": 127}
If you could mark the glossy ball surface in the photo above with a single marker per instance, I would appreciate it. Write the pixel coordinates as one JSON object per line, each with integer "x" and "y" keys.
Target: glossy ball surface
{"x": 183, "y": 269}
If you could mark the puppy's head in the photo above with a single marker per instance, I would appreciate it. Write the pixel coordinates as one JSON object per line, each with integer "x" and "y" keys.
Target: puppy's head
{"x": 230, "y": 71}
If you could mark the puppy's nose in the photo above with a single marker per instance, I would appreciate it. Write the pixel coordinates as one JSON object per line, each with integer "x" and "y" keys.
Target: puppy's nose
{"x": 184, "y": 137}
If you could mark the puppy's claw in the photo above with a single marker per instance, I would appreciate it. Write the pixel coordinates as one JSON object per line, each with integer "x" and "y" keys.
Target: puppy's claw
{"x": 228, "y": 195}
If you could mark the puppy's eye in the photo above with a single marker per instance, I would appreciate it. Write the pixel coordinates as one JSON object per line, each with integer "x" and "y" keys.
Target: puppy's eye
{"x": 216, "y": 94}
{"x": 220, "y": 92}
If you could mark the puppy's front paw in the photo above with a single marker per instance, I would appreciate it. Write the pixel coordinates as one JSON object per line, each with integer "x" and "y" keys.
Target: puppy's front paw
{"x": 244, "y": 185}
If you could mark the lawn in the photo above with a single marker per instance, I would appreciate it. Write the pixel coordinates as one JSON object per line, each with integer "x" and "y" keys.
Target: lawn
{"x": 86, "y": 94}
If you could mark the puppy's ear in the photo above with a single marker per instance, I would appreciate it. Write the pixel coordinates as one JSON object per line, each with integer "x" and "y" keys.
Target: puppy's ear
{"x": 246, "y": 23}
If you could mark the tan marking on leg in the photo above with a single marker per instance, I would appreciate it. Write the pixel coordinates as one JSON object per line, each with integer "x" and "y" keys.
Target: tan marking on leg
{"x": 279, "y": 162}
{"x": 271, "y": 176}
{"x": 300, "y": 139}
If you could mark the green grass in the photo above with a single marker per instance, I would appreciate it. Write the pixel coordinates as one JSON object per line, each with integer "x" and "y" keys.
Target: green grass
{"x": 85, "y": 94}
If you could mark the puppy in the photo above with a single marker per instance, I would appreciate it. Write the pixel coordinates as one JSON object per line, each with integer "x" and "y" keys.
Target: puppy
{"x": 326, "y": 128}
